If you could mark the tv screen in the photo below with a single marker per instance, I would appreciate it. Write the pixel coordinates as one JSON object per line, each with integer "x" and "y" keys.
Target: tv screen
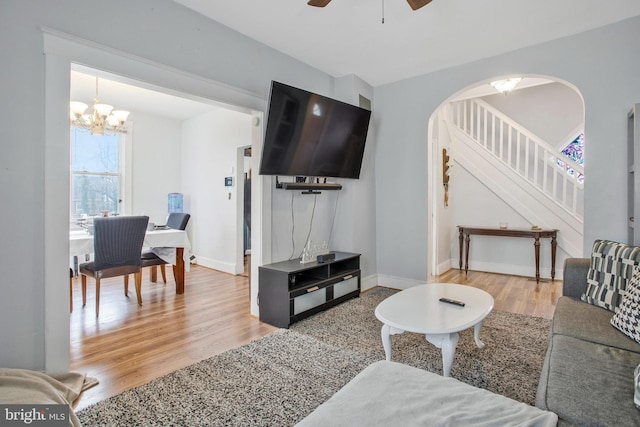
{"x": 311, "y": 135}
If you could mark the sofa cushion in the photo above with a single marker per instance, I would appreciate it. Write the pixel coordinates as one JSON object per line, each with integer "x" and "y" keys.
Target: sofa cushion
{"x": 612, "y": 266}
{"x": 392, "y": 394}
{"x": 636, "y": 383}
{"x": 588, "y": 384}
{"x": 627, "y": 317}
{"x": 574, "y": 277}
{"x": 590, "y": 323}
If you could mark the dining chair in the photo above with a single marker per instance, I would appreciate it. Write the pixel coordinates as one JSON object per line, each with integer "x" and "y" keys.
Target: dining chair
{"x": 117, "y": 243}
{"x": 176, "y": 221}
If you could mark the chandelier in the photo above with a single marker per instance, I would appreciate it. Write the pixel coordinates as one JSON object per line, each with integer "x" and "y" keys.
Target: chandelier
{"x": 102, "y": 120}
{"x": 505, "y": 86}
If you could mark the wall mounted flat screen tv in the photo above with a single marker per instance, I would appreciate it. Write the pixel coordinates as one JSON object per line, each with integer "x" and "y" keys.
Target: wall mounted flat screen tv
{"x": 311, "y": 135}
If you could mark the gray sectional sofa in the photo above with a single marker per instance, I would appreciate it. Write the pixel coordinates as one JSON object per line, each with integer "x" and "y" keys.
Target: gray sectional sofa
{"x": 587, "y": 378}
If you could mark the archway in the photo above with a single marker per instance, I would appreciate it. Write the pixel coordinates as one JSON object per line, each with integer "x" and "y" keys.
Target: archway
{"x": 547, "y": 109}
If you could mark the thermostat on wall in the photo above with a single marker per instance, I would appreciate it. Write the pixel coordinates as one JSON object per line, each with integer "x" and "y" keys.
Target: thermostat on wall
{"x": 228, "y": 181}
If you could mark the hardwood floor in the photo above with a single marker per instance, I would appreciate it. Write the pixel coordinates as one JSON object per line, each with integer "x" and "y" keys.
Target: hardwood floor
{"x": 129, "y": 345}
{"x": 514, "y": 294}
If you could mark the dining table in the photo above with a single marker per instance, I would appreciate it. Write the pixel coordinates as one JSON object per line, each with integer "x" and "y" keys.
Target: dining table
{"x": 168, "y": 244}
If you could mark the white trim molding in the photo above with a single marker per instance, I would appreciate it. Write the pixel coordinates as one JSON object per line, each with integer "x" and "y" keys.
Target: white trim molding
{"x": 398, "y": 282}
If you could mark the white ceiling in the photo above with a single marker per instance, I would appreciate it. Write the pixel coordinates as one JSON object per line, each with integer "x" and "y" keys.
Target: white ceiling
{"x": 348, "y": 37}
{"x": 133, "y": 96}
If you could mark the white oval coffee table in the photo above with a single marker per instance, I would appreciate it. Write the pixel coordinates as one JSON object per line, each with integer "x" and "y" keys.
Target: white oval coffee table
{"x": 419, "y": 310}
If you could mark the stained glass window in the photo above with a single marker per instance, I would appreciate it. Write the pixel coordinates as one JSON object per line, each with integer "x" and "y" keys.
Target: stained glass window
{"x": 574, "y": 151}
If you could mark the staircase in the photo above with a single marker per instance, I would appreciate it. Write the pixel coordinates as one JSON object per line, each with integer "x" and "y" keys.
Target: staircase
{"x": 519, "y": 167}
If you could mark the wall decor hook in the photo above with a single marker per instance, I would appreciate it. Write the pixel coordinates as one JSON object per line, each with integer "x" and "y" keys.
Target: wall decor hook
{"x": 445, "y": 175}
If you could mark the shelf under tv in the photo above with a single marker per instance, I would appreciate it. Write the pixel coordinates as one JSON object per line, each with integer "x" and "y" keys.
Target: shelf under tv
{"x": 310, "y": 186}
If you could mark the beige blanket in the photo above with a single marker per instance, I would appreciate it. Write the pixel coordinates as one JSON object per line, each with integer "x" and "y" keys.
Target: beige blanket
{"x": 22, "y": 386}
{"x": 391, "y": 394}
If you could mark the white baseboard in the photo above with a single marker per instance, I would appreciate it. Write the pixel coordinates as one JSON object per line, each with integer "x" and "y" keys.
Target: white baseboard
{"x": 402, "y": 283}
{"x": 368, "y": 282}
{"x": 443, "y": 267}
{"x": 225, "y": 267}
{"x": 515, "y": 270}
{"x": 398, "y": 282}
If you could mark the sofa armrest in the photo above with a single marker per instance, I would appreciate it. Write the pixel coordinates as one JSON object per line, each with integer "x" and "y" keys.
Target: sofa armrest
{"x": 575, "y": 276}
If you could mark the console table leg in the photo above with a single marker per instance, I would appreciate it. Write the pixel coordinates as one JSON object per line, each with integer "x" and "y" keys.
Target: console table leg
{"x": 536, "y": 246}
{"x": 466, "y": 256}
{"x": 554, "y": 245}
{"x": 461, "y": 237}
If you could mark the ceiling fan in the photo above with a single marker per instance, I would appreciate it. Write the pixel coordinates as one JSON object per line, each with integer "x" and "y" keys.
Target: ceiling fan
{"x": 415, "y": 4}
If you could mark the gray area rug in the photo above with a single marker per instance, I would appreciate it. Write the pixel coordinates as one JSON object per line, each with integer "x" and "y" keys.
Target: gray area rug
{"x": 279, "y": 379}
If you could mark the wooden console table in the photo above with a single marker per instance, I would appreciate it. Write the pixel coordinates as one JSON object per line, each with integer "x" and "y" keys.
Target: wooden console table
{"x": 510, "y": 232}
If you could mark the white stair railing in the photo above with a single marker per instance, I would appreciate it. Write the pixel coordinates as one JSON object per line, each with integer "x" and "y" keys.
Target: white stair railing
{"x": 523, "y": 152}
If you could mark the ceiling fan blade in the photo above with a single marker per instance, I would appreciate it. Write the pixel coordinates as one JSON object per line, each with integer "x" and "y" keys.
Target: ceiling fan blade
{"x": 320, "y": 3}
{"x": 416, "y": 4}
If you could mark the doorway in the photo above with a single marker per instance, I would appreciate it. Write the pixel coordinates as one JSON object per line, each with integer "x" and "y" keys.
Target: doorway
{"x": 60, "y": 52}
{"x": 244, "y": 159}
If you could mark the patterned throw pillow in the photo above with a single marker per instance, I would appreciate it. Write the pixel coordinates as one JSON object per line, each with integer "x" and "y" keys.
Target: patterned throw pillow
{"x": 627, "y": 317}
{"x": 611, "y": 267}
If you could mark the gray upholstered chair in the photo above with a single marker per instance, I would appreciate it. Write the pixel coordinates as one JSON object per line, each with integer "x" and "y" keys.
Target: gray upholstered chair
{"x": 117, "y": 243}
{"x": 177, "y": 221}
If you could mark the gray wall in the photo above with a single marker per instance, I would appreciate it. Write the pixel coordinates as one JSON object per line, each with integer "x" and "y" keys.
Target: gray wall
{"x": 591, "y": 61}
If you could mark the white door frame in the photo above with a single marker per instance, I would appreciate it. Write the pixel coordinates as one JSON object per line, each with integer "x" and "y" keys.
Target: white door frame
{"x": 61, "y": 51}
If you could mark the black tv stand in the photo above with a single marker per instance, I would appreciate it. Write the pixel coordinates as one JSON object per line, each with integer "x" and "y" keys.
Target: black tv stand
{"x": 290, "y": 291}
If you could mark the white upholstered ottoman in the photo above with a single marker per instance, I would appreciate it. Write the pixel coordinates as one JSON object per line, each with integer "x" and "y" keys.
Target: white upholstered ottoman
{"x": 392, "y": 394}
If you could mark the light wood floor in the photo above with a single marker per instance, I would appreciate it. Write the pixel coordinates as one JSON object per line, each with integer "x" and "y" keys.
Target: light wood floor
{"x": 129, "y": 345}
{"x": 514, "y": 294}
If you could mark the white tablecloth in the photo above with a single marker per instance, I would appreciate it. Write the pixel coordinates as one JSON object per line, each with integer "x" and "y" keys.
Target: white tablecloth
{"x": 161, "y": 242}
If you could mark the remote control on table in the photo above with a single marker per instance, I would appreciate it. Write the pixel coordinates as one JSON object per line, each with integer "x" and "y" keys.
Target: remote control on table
{"x": 452, "y": 301}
